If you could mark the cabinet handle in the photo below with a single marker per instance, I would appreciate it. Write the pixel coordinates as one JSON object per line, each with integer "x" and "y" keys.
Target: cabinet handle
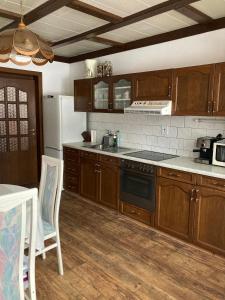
{"x": 135, "y": 212}
{"x": 196, "y": 195}
{"x": 192, "y": 194}
{"x": 169, "y": 93}
{"x": 209, "y": 106}
{"x": 214, "y": 106}
{"x": 97, "y": 171}
{"x": 174, "y": 174}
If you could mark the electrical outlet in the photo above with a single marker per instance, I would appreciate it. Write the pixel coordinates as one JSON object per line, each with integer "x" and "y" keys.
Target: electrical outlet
{"x": 164, "y": 130}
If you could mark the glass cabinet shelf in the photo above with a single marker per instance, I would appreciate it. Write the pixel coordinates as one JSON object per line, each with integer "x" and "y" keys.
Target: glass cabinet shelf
{"x": 121, "y": 94}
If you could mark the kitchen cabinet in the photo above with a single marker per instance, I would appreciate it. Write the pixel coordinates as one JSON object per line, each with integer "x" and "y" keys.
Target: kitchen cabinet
{"x": 112, "y": 94}
{"x": 192, "y": 211}
{"x": 193, "y": 90}
{"x": 174, "y": 208}
{"x": 71, "y": 169}
{"x": 155, "y": 85}
{"x": 88, "y": 176}
{"x": 219, "y": 90}
{"x": 99, "y": 177}
{"x": 83, "y": 95}
{"x": 209, "y": 225}
{"x": 101, "y": 94}
{"x": 122, "y": 92}
{"x": 108, "y": 181}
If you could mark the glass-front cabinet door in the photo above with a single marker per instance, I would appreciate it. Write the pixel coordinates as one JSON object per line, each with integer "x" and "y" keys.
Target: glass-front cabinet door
{"x": 122, "y": 93}
{"x": 101, "y": 95}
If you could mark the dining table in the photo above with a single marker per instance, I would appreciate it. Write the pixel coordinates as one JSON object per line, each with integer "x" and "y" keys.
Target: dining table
{"x": 9, "y": 189}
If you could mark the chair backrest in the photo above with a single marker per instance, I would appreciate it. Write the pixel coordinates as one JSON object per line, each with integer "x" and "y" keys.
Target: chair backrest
{"x": 12, "y": 242}
{"x": 50, "y": 188}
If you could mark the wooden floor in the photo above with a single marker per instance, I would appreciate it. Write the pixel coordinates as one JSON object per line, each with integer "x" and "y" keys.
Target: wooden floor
{"x": 109, "y": 256}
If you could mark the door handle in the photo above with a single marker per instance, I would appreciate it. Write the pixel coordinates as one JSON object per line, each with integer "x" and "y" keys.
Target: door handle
{"x": 192, "y": 194}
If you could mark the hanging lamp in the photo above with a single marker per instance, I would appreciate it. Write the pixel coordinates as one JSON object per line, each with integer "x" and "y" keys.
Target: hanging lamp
{"x": 22, "y": 46}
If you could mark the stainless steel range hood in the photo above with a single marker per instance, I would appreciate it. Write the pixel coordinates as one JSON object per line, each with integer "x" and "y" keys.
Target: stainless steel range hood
{"x": 162, "y": 107}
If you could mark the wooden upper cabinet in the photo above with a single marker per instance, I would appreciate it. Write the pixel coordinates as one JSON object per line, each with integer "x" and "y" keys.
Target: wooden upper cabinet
{"x": 83, "y": 95}
{"x": 174, "y": 208}
{"x": 219, "y": 90}
{"x": 154, "y": 85}
{"x": 101, "y": 94}
{"x": 209, "y": 231}
{"x": 193, "y": 90}
{"x": 122, "y": 92}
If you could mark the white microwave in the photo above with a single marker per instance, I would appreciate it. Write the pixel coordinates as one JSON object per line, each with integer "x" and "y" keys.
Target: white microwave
{"x": 218, "y": 158}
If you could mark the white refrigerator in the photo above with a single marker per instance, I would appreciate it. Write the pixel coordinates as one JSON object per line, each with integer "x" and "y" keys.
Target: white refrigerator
{"x": 61, "y": 124}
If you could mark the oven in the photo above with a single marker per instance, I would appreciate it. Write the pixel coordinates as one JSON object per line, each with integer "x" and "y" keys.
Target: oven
{"x": 137, "y": 184}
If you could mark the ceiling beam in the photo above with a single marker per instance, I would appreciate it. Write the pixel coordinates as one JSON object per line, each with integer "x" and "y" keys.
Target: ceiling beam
{"x": 194, "y": 14}
{"x": 39, "y": 12}
{"x": 139, "y": 16}
{"x": 9, "y": 15}
{"x": 94, "y": 11}
{"x": 62, "y": 59}
{"x": 104, "y": 41}
{"x": 157, "y": 39}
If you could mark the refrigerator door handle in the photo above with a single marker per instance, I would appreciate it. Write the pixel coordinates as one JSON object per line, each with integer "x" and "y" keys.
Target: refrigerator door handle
{"x": 53, "y": 148}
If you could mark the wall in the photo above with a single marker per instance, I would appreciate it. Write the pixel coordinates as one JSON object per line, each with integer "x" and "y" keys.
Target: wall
{"x": 55, "y": 76}
{"x": 145, "y": 132}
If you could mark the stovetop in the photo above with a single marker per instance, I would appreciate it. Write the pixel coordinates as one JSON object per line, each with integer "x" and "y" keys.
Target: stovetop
{"x": 151, "y": 155}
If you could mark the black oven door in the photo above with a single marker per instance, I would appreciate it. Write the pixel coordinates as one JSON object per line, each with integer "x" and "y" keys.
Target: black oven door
{"x": 138, "y": 189}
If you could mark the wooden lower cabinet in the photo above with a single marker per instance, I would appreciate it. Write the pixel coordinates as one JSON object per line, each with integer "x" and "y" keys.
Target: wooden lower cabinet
{"x": 209, "y": 225}
{"x": 174, "y": 208}
{"x": 88, "y": 179}
{"x": 71, "y": 170}
{"x": 109, "y": 185}
{"x": 137, "y": 213}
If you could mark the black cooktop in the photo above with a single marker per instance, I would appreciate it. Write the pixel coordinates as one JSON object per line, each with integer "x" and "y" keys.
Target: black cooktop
{"x": 151, "y": 155}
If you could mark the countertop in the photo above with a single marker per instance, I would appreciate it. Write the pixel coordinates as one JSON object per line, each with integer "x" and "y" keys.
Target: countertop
{"x": 186, "y": 164}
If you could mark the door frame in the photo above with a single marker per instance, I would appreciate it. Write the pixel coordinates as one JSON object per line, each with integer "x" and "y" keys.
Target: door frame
{"x": 38, "y": 105}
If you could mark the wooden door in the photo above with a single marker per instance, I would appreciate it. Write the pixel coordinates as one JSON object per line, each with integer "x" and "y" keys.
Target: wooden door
{"x": 18, "y": 136}
{"x": 154, "y": 85}
{"x": 88, "y": 179}
{"x": 101, "y": 95}
{"x": 193, "y": 90}
{"x": 109, "y": 185}
{"x": 174, "y": 208}
{"x": 83, "y": 95}
{"x": 219, "y": 90}
{"x": 209, "y": 225}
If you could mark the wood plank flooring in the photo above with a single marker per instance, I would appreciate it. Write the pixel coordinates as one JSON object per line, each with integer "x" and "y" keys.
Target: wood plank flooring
{"x": 108, "y": 256}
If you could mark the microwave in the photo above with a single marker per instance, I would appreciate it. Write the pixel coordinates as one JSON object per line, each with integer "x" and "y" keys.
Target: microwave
{"x": 218, "y": 158}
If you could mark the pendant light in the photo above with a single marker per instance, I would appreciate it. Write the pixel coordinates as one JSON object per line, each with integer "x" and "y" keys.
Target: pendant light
{"x": 22, "y": 46}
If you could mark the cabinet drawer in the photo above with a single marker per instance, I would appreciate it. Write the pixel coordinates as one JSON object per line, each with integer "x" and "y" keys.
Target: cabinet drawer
{"x": 177, "y": 175}
{"x": 71, "y": 166}
{"x": 70, "y": 153}
{"x": 136, "y": 213}
{"x": 89, "y": 155}
{"x": 215, "y": 183}
{"x": 71, "y": 183}
{"x": 109, "y": 159}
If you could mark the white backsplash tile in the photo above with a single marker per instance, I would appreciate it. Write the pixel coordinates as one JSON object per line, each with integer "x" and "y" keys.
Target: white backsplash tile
{"x": 145, "y": 132}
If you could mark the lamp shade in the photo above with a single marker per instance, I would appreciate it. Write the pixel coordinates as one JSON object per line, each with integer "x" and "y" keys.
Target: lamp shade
{"x": 21, "y": 46}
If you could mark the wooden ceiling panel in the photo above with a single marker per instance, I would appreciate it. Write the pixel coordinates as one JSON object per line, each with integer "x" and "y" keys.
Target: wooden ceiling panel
{"x": 4, "y": 22}
{"x": 79, "y": 48}
{"x": 14, "y": 5}
{"x": 151, "y": 26}
{"x": 123, "y": 8}
{"x": 213, "y": 8}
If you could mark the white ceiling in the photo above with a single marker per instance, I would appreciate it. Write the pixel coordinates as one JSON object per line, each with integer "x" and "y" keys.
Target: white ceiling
{"x": 66, "y": 22}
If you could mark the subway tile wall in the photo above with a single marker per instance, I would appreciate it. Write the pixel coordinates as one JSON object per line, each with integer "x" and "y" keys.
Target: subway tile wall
{"x": 175, "y": 135}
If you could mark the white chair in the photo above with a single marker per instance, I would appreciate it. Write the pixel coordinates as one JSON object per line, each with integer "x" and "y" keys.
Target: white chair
{"x": 12, "y": 243}
{"x": 50, "y": 196}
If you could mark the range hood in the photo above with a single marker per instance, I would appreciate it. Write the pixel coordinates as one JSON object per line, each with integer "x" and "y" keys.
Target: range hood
{"x": 163, "y": 107}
